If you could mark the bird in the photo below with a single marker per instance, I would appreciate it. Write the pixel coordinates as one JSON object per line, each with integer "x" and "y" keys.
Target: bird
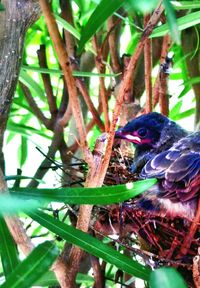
{"x": 169, "y": 153}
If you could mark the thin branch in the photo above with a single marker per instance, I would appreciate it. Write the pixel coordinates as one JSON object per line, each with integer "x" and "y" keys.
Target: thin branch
{"x": 70, "y": 46}
{"x": 126, "y": 87}
{"x": 113, "y": 41}
{"x": 103, "y": 92}
{"x": 15, "y": 225}
{"x": 70, "y": 81}
{"x": 148, "y": 69}
{"x": 56, "y": 141}
{"x": 47, "y": 82}
{"x": 33, "y": 105}
{"x": 165, "y": 48}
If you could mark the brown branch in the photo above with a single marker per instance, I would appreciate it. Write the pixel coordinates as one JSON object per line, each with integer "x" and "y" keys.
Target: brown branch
{"x": 156, "y": 89}
{"x": 126, "y": 87}
{"x": 189, "y": 237}
{"x": 99, "y": 282}
{"x": 33, "y": 105}
{"x": 103, "y": 92}
{"x": 148, "y": 69}
{"x": 47, "y": 82}
{"x": 113, "y": 41}
{"x": 42, "y": 169}
{"x": 70, "y": 81}
{"x": 70, "y": 46}
{"x": 15, "y": 225}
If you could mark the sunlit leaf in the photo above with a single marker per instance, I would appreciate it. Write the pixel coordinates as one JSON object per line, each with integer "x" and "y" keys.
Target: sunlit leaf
{"x": 166, "y": 278}
{"x": 183, "y": 23}
{"x": 31, "y": 84}
{"x": 103, "y": 10}
{"x": 59, "y": 72}
{"x": 8, "y": 250}
{"x": 142, "y": 6}
{"x": 91, "y": 245}
{"x": 11, "y": 205}
{"x": 171, "y": 19}
{"x": 182, "y": 5}
{"x": 33, "y": 267}
{"x": 99, "y": 195}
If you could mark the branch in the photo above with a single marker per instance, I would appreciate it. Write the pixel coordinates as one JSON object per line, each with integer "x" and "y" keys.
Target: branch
{"x": 148, "y": 69}
{"x": 126, "y": 87}
{"x": 70, "y": 81}
{"x": 36, "y": 110}
{"x": 47, "y": 82}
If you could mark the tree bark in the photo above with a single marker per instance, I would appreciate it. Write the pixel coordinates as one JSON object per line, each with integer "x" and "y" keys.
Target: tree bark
{"x": 14, "y": 22}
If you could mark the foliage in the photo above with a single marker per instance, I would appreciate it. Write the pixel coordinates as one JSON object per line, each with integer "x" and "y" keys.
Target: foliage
{"x": 33, "y": 120}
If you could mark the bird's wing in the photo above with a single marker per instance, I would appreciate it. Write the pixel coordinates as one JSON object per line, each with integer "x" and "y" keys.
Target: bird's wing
{"x": 179, "y": 171}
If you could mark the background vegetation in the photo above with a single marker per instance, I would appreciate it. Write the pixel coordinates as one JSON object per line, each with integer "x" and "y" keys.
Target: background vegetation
{"x": 114, "y": 50}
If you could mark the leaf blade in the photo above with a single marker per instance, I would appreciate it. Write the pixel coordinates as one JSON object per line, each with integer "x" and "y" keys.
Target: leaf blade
{"x": 91, "y": 245}
{"x": 33, "y": 267}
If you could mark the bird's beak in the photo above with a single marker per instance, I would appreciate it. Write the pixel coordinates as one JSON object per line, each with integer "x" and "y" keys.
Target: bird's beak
{"x": 127, "y": 136}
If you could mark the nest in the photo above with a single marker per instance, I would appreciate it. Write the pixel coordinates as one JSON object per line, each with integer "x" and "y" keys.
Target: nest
{"x": 158, "y": 238}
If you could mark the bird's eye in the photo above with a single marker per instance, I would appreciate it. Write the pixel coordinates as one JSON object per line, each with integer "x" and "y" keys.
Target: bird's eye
{"x": 142, "y": 132}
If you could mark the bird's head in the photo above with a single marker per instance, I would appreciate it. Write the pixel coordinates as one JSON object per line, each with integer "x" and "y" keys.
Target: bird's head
{"x": 144, "y": 130}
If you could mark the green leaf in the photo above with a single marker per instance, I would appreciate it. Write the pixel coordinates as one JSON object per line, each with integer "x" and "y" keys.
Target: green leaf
{"x": 59, "y": 72}
{"x": 183, "y": 23}
{"x": 166, "y": 278}
{"x": 23, "y": 151}
{"x": 142, "y": 6}
{"x": 11, "y": 205}
{"x": 2, "y": 8}
{"x": 48, "y": 279}
{"x": 103, "y": 10}
{"x": 91, "y": 245}
{"x": 99, "y": 195}
{"x": 184, "y": 114}
{"x": 67, "y": 26}
{"x": 33, "y": 267}
{"x": 171, "y": 18}
{"x": 182, "y": 5}
{"x": 31, "y": 84}
{"x": 8, "y": 250}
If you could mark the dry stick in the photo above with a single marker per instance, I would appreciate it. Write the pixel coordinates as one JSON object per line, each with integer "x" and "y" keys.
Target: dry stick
{"x": 103, "y": 92}
{"x": 70, "y": 81}
{"x": 47, "y": 82}
{"x": 189, "y": 237}
{"x": 15, "y": 225}
{"x": 36, "y": 110}
{"x": 148, "y": 69}
{"x": 126, "y": 87}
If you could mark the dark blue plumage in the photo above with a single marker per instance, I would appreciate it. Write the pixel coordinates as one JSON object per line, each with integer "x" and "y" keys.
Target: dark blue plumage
{"x": 173, "y": 157}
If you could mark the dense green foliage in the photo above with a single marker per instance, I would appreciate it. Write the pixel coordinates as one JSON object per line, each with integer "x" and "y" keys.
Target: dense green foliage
{"x": 26, "y": 130}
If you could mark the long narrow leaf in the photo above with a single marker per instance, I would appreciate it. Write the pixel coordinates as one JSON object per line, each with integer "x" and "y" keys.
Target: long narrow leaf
{"x": 166, "y": 278}
{"x": 59, "y": 72}
{"x": 8, "y": 250}
{"x": 171, "y": 18}
{"x": 11, "y": 205}
{"x": 101, "y": 13}
{"x": 91, "y": 245}
{"x": 33, "y": 267}
{"x": 99, "y": 195}
{"x": 183, "y": 23}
